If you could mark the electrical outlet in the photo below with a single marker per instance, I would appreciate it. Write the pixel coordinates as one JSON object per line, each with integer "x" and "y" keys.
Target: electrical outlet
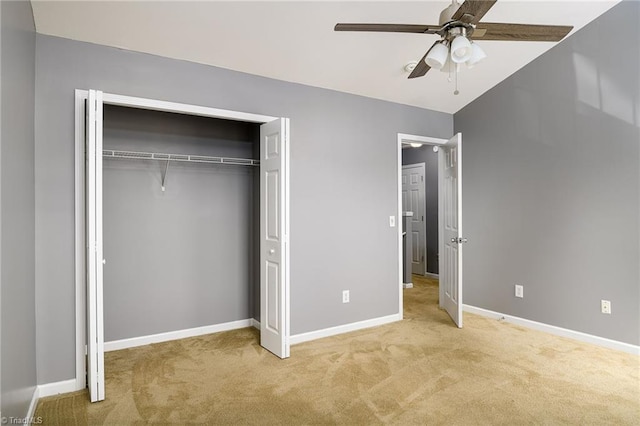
{"x": 345, "y": 296}
{"x": 392, "y": 221}
{"x": 519, "y": 291}
{"x": 605, "y": 306}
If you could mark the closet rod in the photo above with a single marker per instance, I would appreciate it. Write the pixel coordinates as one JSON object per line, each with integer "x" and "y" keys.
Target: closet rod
{"x": 133, "y": 155}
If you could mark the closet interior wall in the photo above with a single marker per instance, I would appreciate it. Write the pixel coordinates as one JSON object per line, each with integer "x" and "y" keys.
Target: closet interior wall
{"x": 188, "y": 256}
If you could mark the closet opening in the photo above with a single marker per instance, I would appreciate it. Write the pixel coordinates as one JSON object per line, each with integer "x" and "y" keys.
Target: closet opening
{"x": 182, "y": 225}
{"x": 181, "y": 230}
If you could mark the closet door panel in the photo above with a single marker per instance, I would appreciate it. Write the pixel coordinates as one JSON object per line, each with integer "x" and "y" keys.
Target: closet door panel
{"x": 274, "y": 282}
{"x": 94, "y": 258}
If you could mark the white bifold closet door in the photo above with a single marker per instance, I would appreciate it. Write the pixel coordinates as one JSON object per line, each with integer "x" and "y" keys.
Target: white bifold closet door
{"x": 274, "y": 229}
{"x": 274, "y": 236}
{"x": 94, "y": 258}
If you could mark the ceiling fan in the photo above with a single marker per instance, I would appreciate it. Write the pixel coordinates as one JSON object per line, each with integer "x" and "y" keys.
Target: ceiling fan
{"x": 458, "y": 27}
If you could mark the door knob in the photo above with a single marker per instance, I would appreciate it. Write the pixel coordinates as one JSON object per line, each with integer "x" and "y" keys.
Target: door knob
{"x": 272, "y": 251}
{"x": 104, "y": 261}
{"x": 459, "y": 240}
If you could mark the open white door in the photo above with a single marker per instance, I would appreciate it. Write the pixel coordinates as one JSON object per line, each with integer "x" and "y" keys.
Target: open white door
{"x": 274, "y": 237}
{"x": 94, "y": 259}
{"x": 450, "y": 227}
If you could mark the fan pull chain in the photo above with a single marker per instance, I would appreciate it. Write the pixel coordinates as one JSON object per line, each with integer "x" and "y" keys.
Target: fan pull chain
{"x": 456, "y": 91}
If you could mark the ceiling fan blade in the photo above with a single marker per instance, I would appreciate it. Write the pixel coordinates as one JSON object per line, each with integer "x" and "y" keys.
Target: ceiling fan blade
{"x": 421, "y": 68}
{"x": 389, "y": 28}
{"x": 472, "y": 11}
{"x": 520, "y": 32}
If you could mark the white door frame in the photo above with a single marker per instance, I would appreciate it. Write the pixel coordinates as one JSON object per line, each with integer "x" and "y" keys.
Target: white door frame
{"x": 80, "y": 237}
{"x": 404, "y": 138}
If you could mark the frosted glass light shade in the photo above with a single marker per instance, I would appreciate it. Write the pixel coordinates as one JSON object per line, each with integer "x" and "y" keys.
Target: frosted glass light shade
{"x": 460, "y": 49}
{"x": 477, "y": 55}
{"x": 448, "y": 66}
{"x": 437, "y": 56}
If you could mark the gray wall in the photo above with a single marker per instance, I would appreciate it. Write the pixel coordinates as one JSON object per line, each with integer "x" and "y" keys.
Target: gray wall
{"x": 425, "y": 154}
{"x": 182, "y": 258}
{"x": 331, "y": 180}
{"x": 17, "y": 276}
{"x": 551, "y": 184}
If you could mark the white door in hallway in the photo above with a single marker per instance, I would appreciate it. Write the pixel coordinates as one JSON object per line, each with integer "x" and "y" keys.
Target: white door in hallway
{"x": 450, "y": 227}
{"x": 413, "y": 200}
{"x": 94, "y": 260}
{"x": 274, "y": 238}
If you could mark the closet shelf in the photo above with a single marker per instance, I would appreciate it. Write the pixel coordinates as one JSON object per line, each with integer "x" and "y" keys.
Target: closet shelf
{"x": 133, "y": 155}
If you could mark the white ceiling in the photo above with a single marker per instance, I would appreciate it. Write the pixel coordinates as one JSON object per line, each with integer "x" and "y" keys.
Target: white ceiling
{"x": 295, "y": 41}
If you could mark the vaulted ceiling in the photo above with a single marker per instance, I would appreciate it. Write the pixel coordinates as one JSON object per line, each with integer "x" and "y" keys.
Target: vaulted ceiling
{"x": 294, "y": 40}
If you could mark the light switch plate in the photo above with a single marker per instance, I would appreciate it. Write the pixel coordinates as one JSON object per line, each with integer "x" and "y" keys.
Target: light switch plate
{"x": 392, "y": 221}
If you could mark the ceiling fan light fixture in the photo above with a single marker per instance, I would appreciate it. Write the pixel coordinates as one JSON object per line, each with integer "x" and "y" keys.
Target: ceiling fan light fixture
{"x": 477, "y": 55}
{"x": 458, "y": 22}
{"x": 447, "y": 14}
{"x": 448, "y": 66}
{"x": 460, "y": 49}
{"x": 437, "y": 56}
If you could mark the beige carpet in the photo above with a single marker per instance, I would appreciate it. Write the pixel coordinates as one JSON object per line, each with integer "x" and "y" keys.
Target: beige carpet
{"x": 421, "y": 370}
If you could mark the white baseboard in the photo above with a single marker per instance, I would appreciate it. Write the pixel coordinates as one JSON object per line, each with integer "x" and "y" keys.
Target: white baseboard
{"x": 255, "y": 323}
{"x": 175, "y": 335}
{"x": 431, "y": 275}
{"x": 332, "y": 331}
{"x": 407, "y": 285}
{"x": 50, "y": 389}
{"x": 558, "y": 331}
